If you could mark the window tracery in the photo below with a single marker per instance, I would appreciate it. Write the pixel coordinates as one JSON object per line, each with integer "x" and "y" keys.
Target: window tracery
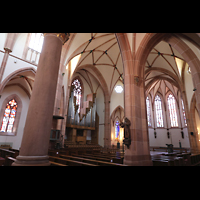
{"x": 184, "y": 116}
{"x": 159, "y": 115}
{"x": 9, "y": 116}
{"x": 117, "y": 130}
{"x": 36, "y": 41}
{"x": 148, "y": 111}
{"x": 172, "y": 110}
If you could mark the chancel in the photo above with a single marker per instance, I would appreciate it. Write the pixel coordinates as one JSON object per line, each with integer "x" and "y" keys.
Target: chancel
{"x": 99, "y": 99}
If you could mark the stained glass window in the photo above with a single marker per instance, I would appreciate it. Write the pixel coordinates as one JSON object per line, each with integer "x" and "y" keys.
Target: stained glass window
{"x": 172, "y": 110}
{"x": 9, "y": 116}
{"x": 184, "y": 117}
{"x": 77, "y": 92}
{"x": 117, "y": 129}
{"x": 148, "y": 111}
{"x": 159, "y": 115}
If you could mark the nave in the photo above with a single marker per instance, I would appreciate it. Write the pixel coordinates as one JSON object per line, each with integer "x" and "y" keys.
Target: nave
{"x": 95, "y": 155}
{"x": 86, "y": 155}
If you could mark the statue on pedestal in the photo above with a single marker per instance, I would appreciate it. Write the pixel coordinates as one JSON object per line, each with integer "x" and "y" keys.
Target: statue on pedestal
{"x": 127, "y": 136}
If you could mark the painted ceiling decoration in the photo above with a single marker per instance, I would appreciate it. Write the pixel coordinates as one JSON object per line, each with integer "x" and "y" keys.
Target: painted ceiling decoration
{"x": 100, "y": 50}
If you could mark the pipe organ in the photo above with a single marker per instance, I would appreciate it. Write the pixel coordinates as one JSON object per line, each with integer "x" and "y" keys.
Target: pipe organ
{"x": 85, "y": 118}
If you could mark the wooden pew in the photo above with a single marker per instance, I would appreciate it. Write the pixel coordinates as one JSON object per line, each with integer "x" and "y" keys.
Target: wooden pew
{"x": 89, "y": 156}
{"x": 161, "y": 160}
{"x": 102, "y": 158}
{"x": 95, "y": 162}
{"x": 6, "y": 152}
{"x": 9, "y": 160}
{"x": 2, "y": 161}
{"x": 56, "y": 164}
{"x": 153, "y": 148}
{"x": 195, "y": 160}
{"x": 68, "y": 162}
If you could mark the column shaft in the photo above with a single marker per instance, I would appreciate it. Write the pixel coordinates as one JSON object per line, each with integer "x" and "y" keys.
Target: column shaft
{"x": 35, "y": 141}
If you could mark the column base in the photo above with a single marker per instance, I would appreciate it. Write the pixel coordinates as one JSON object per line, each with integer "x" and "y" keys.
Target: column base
{"x": 31, "y": 161}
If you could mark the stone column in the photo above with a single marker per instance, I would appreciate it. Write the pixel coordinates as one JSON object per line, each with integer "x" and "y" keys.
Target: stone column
{"x": 9, "y": 43}
{"x": 138, "y": 153}
{"x": 4, "y": 62}
{"x": 107, "y": 128}
{"x": 35, "y": 141}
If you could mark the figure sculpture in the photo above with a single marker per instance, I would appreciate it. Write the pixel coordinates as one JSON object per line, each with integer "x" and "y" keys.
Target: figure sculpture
{"x": 126, "y": 125}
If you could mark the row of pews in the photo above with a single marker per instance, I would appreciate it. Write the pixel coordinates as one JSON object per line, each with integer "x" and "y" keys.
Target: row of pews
{"x": 176, "y": 159}
{"x": 84, "y": 157}
{"x": 8, "y": 156}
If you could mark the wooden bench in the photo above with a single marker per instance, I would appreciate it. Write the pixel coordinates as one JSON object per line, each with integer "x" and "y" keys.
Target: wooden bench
{"x": 6, "y": 152}
{"x": 195, "y": 159}
{"x": 5, "y": 146}
{"x": 165, "y": 148}
{"x": 68, "y": 161}
{"x": 56, "y": 164}
{"x": 93, "y": 157}
{"x": 104, "y": 158}
{"x": 95, "y": 162}
{"x": 2, "y": 161}
{"x": 9, "y": 161}
{"x": 167, "y": 160}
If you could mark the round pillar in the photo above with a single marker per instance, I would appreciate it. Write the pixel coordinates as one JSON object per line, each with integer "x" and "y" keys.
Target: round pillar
{"x": 35, "y": 141}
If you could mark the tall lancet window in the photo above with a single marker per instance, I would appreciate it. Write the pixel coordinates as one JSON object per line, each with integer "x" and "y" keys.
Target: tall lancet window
{"x": 9, "y": 116}
{"x": 172, "y": 110}
{"x": 36, "y": 41}
{"x": 184, "y": 117}
{"x": 159, "y": 115}
{"x": 148, "y": 111}
{"x": 77, "y": 92}
{"x": 117, "y": 130}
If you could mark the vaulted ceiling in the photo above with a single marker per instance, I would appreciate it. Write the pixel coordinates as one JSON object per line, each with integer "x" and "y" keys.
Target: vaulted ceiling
{"x": 164, "y": 70}
{"x": 99, "y": 51}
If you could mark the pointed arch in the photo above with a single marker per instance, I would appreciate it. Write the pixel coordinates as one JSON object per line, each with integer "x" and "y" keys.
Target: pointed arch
{"x": 113, "y": 116}
{"x": 171, "y": 101}
{"x": 13, "y": 74}
{"x": 159, "y": 111}
{"x": 17, "y": 116}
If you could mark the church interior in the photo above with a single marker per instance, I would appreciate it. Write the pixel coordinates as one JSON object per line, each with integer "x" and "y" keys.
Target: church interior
{"x": 100, "y": 99}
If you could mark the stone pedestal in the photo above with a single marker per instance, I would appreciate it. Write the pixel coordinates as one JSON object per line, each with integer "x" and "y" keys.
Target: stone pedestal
{"x": 35, "y": 141}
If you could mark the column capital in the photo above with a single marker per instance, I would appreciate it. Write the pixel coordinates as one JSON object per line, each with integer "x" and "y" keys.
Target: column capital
{"x": 7, "y": 50}
{"x": 62, "y": 36}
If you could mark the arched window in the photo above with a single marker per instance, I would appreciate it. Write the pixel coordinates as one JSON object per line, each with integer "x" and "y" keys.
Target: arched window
{"x": 159, "y": 115}
{"x": 36, "y": 41}
{"x": 172, "y": 110}
{"x": 117, "y": 130}
{"x": 9, "y": 116}
{"x": 77, "y": 92}
{"x": 184, "y": 117}
{"x": 148, "y": 111}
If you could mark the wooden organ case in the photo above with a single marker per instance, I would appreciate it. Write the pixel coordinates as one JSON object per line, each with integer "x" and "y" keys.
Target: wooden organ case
{"x": 82, "y": 127}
